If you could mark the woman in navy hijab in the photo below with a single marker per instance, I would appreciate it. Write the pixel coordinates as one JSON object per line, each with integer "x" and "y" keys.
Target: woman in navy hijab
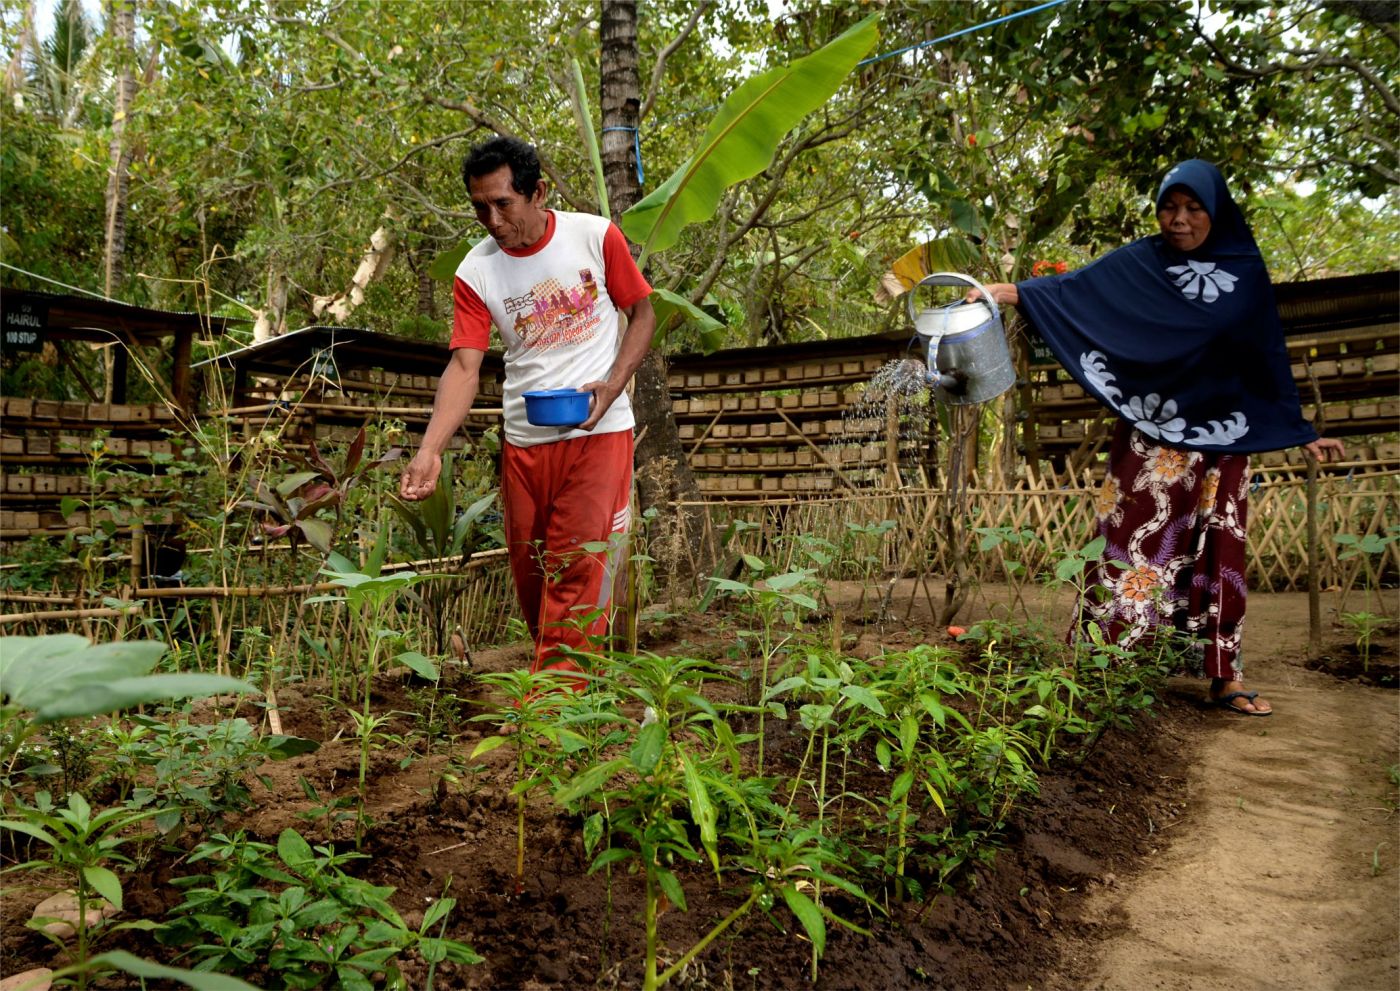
{"x": 1178, "y": 334}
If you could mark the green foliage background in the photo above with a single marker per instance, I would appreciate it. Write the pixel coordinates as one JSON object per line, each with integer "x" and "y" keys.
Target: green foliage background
{"x": 270, "y": 142}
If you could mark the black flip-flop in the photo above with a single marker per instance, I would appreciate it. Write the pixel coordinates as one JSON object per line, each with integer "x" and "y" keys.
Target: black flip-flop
{"x": 1225, "y": 700}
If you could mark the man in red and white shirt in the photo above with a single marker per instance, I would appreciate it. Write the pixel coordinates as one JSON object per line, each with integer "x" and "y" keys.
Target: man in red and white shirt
{"x": 554, "y": 285}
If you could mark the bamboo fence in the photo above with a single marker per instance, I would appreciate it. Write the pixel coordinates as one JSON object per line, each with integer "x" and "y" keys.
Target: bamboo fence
{"x": 1053, "y": 516}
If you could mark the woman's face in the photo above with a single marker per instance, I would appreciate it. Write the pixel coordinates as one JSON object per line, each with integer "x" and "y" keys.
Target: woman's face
{"x": 1184, "y": 221}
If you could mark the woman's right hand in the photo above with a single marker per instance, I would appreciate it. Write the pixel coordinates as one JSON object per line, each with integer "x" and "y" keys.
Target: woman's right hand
{"x": 1002, "y": 293}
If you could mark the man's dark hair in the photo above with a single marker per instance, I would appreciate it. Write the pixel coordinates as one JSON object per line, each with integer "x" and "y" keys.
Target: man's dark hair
{"x": 487, "y": 157}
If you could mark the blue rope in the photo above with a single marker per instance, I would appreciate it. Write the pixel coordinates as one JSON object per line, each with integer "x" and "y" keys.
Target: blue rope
{"x": 958, "y": 34}
{"x": 923, "y": 44}
{"x": 636, "y": 148}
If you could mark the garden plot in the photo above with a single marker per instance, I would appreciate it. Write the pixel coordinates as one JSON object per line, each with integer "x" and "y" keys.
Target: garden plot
{"x": 926, "y": 811}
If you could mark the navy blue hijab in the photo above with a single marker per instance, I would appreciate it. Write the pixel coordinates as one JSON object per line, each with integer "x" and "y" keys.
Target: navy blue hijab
{"x": 1187, "y": 347}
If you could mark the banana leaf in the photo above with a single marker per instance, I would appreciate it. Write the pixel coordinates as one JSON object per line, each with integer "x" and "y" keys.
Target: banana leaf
{"x": 744, "y": 136}
{"x": 674, "y": 311}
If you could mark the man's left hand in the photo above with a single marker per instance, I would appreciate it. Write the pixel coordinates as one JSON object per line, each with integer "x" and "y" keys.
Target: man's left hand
{"x": 603, "y": 397}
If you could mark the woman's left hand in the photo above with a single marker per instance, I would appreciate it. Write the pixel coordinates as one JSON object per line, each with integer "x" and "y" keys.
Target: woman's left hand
{"x": 1326, "y": 449}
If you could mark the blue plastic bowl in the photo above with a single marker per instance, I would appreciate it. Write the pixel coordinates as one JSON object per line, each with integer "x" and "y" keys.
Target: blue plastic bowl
{"x": 557, "y": 407}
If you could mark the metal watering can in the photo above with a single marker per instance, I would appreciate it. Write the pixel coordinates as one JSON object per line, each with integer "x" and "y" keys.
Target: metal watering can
{"x": 968, "y": 359}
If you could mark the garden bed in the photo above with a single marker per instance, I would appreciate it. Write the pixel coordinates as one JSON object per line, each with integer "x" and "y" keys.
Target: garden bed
{"x": 444, "y": 823}
{"x": 1373, "y": 660}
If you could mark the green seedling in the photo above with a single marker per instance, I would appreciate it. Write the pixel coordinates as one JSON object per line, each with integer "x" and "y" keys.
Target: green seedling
{"x": 528, "y": 720}
{"x": 1364, "y": 626}
{"x": 83, "y": 846}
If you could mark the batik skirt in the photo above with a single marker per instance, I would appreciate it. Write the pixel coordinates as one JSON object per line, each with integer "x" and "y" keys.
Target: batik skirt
{"x": 1174, "y": 523}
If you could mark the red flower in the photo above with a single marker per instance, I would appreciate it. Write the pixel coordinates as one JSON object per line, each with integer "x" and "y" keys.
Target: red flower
{"x": 1041, "y": 267}
{"x": 1061, "y": 268}
{"x": 972, "y": 141}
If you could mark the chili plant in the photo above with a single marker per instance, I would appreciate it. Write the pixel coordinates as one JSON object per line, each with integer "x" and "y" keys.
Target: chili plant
{"x": 779, "y": 602}
{"x": 81, "y": 846}
{"x": 528, "y": 720}
{"x": 664, "y": 772}
{"x": 911, "y": 687}
{"x": 832, "y": 684}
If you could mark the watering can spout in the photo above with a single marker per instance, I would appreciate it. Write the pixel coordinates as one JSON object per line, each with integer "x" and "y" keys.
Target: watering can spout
{"x": 953, "y": 382}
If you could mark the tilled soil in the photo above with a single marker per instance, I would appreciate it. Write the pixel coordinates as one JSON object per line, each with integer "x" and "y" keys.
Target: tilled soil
{"x": 1082, "y": 889}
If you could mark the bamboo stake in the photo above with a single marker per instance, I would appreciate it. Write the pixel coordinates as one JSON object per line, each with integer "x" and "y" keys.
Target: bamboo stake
{"x": 1314, "y": 593}
{"x": 296, "y": 408}
{"x": 61, "y": 614}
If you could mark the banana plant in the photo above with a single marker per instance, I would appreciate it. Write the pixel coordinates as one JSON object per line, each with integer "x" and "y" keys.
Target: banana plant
{"x": 743, "y": 137}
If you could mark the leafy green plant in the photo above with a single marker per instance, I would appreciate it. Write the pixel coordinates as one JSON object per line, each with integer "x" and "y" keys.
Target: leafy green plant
{"x": 743, "y": 137}
{"x": 528, "y": 720}
{"x": 63, "y": 676}
{"x": 369, "y": 595}
{"x": 912, "y": 687}
{"x": 82, "y": 848}
{"x": 835, "y": 690}
{"x": 779, "y": 600}
{"x": 1364, "y": 626}
{"x": 193, "y": 773}
{"x": 664, "y": 773}
{"x": 295, "y": 911}
{"x": 443, "y": 532}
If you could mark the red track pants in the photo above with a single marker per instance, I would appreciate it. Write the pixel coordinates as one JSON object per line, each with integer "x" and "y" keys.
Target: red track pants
{"x": 558, "y": 499}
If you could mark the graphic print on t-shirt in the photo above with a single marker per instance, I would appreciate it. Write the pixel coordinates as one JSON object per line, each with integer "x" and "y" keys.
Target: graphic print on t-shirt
{"x": 552, "y": 315}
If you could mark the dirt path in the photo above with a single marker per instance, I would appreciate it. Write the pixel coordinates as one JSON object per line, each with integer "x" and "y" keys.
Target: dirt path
{"x": 1282, "y": 872}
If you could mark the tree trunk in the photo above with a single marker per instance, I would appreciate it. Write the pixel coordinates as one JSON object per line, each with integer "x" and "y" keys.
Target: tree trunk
{"x": 121, "y": 22}
{"x": 665, "y": 477}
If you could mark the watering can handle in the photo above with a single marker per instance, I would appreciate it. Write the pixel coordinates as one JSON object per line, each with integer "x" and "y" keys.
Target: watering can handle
{"x": 952, "y": 279}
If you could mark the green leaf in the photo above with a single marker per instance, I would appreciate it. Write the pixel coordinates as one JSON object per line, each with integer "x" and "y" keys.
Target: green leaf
{"x": 444, "y": 266}
{"x": 589, "y": 781}
{"x": 488, "y": 744}
{"x": 646, "y": 752}
{"x": 294, "y": 851}
{"x": 809, "y": 915}
{"x": 901, "y": 785}
{"x": 422, "y": 666}
{"x": 785, "y": 581}
{"x": 135, "y": 966}
{"x": 674, "y": 312}
{"x": 291, "y": 483}
{"x": 281, "y": 747}
{"x": 104, "y": 882}
{"x": 864, "y": 696}
{"x": 671, "y": 887}
{"x": 966, "y": 218}
{"x": 610, "y": 856}
{"x": 702, "y": 810}
{"x": 742, "y": 139}
{"x": 91, "y": 697}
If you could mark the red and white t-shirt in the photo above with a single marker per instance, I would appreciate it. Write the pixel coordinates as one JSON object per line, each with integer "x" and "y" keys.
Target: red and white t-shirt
{"x": 556, "y": 307}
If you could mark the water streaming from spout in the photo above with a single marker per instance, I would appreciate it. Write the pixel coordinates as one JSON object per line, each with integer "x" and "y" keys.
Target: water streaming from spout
{"x": 894, "y": 408}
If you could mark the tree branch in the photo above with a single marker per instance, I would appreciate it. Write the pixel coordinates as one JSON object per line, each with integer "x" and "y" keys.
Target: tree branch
{"x": 660, "y": 65}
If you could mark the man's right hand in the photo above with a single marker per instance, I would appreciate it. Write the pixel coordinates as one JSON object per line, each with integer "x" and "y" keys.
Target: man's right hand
{"x": 420, "y": 478}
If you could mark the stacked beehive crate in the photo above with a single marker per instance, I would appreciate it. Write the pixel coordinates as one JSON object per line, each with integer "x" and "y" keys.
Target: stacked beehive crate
{"x": 103, "y": 461}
